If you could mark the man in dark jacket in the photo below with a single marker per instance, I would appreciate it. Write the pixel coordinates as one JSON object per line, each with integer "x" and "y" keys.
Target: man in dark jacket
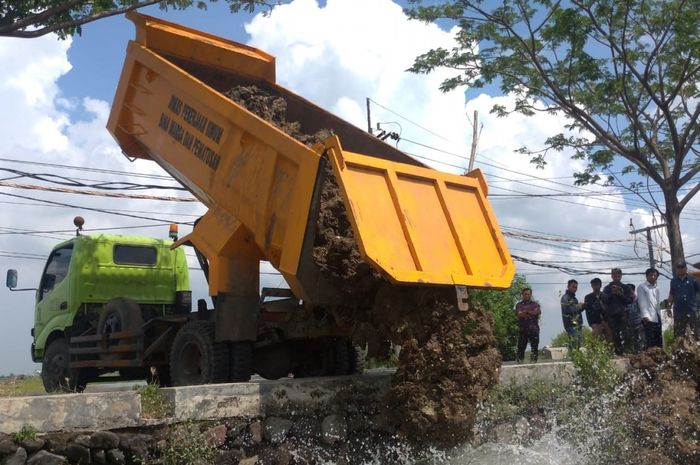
{"x": 528, "y": 313}
{"x": 571, "y": 314}
{"x": 682, "y": 301}
{"x": 594, "y": 308}
{"x": 616, "y": 297}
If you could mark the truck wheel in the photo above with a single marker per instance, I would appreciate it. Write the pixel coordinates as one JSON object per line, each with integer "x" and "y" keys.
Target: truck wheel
{"x": 120, "y": 314}
{"x": 55, "y": 374}
{"x": 241, "y": 361}
{"x": 196, "y": 357}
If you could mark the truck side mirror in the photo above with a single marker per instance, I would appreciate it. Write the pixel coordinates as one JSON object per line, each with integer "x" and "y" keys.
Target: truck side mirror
{"x": 11, "y": 280}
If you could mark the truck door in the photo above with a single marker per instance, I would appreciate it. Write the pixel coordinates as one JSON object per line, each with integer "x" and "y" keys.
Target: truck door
{"x": 53, "y": 295}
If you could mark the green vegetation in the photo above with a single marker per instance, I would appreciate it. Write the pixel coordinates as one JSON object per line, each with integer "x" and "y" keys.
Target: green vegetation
{"x": 17, "y": 386}
{"x": 153, "y": 403}
{"x": 27, "y": 433}
{"x": 187, "y": 445}
{"x": 501, "y": 305}
{"x": 624, "y": 74}
{"x": 562, "y": 339}
{"x": 40, "y": 17}
{"x": 595, "y": 371}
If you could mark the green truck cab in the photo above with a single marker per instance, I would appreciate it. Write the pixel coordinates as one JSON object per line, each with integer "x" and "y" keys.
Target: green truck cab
{"x": 102, "y": 302}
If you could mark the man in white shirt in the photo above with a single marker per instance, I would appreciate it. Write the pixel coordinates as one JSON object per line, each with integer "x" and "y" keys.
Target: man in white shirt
{"x": 648, "y": 301}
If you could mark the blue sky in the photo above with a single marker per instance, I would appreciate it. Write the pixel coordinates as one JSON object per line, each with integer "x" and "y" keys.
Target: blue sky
{"x": 335, "y": 54}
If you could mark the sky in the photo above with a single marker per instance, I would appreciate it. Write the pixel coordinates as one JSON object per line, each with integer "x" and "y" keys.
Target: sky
{"x": 57, "y": 96}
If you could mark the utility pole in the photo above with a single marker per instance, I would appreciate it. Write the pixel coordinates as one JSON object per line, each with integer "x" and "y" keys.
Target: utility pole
{"x": 647, "y": 230}
{"x": 369, "y": 118}
{"x": 475, "y": 141}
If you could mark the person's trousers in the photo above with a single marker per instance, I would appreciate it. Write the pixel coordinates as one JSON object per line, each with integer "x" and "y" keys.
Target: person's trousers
{"x": 525, "y": 337}
{"x": 574, "y": 332}
{"x": 618, "y": 327}
{"x": 653, "y": 335}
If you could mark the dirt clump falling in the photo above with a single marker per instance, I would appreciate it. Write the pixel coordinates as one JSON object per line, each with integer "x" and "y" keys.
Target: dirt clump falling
{"x": 448, "y": 358}
{"x": 664, "y": 412}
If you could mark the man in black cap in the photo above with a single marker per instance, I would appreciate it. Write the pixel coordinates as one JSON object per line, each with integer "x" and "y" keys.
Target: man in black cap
{"x": 682, "y": 301}
{"x": 616, "y": 297}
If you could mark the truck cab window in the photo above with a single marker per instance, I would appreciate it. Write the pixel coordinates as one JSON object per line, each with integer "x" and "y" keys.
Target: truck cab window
{"x": 56, "y": 269}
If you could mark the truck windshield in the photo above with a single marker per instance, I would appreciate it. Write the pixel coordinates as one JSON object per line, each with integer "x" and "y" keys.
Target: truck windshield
{"x": 56, "y": 269}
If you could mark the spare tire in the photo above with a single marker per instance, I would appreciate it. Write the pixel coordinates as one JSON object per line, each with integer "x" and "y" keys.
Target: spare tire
{"x": 119, "y": 314}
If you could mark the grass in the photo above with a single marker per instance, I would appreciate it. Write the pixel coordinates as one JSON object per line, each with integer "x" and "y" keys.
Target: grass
{"x": 17, "y": 386}
{"x": 153, "y": 403}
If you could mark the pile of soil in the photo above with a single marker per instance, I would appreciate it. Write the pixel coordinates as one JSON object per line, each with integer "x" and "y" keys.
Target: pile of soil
{"x": 664, "y": 412}
{"x": 448, "y": 358}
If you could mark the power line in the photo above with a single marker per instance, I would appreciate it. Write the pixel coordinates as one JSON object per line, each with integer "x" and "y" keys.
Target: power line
{"x": 67, "y": 190}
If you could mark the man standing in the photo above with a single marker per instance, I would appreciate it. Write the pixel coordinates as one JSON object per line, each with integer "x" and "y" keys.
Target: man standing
{"x": 571, "y": 314}
{"x": 593, "y": 305}
{"x": 528, "y": 313}
{"x": 634, "y": 337}
{"x": 648, "y": 301}
{"x": 682, "y": 303}
{"x": 616, "y": 297}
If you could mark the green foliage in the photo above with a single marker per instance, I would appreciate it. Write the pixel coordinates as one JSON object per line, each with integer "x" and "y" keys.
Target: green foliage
{"x": 626, "y": 74}
{"x": 667, "y": 337}
{"x": 595, "y": 371}
{"x": 153, "y": 403}
{"x": 39, "y": 17}
{"x": 508, "y": 402}
{"x": 501, "y": 305}
{"x": 187, "y": 445}
{"x": 27, "y": 433}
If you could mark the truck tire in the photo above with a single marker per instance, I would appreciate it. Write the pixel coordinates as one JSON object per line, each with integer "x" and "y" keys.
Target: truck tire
{"x": 241, "y": 361}
{"x": 55, "y": 374}
{"x": 196, "y": 357}
{"x": 348, "y": 359}
{"x": 119, "y": 314}
{"x": 316, "y": 359}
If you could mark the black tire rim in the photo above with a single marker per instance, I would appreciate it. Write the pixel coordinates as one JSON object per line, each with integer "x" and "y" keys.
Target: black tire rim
{"x": 113, "y": 323}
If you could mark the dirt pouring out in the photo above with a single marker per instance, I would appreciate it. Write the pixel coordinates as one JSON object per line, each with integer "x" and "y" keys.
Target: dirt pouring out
{"x": 448, "y": 359}
{"x": 664, "y": 410}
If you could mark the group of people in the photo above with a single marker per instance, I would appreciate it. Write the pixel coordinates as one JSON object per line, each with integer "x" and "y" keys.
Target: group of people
{"x": 625, "y": 315}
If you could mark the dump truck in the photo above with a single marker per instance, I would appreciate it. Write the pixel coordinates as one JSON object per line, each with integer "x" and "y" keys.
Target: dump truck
{"x": 109, "y": 303}
{"x": 347, "y": 219}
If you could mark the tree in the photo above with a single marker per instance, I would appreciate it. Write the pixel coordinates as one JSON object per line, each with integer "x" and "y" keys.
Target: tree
{"x": 35, "y": 18}
{"x": 625, "y": 73}
{"x": 501, "y": 304}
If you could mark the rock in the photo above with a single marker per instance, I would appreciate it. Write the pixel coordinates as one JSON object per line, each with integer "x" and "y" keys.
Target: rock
{"x": 216, "y": 435}
{"x": 306, "y": 427}
{"x": 5, "y": 437}
{"x": 249, "y": 460}
{"x": 136, "y": 445}
{"x": 82, "y": 440}
{"x": 382, "y": 424}
{"x": 256, "y": 432}
{"x": 46, "y": 458}
{"x": 276, "y": 429}
{"x": 7, "y": 447}
{"x": 229, "y": 457}
{"x": 104, "y": 440}
{"x": 77, "y": 453}
{"x": 115, "y": 457}
{"x": 522, "y": 429}
{"x": 99, "y": 457}
{"x": 18, "y": 458}
{"x": 333, "y": 429}
{"x": 33, "y": 445}
{"x": 505, "y": 433}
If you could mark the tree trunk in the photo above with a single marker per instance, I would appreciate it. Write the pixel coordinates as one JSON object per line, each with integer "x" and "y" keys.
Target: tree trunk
{"x": 673, "y": 228}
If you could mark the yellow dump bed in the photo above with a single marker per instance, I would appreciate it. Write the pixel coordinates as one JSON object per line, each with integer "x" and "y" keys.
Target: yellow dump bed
{"x": 414, "y": 224}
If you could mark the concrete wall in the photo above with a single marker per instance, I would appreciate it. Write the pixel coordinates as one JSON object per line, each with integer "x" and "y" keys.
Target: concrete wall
{"x": 114, "y": 410}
